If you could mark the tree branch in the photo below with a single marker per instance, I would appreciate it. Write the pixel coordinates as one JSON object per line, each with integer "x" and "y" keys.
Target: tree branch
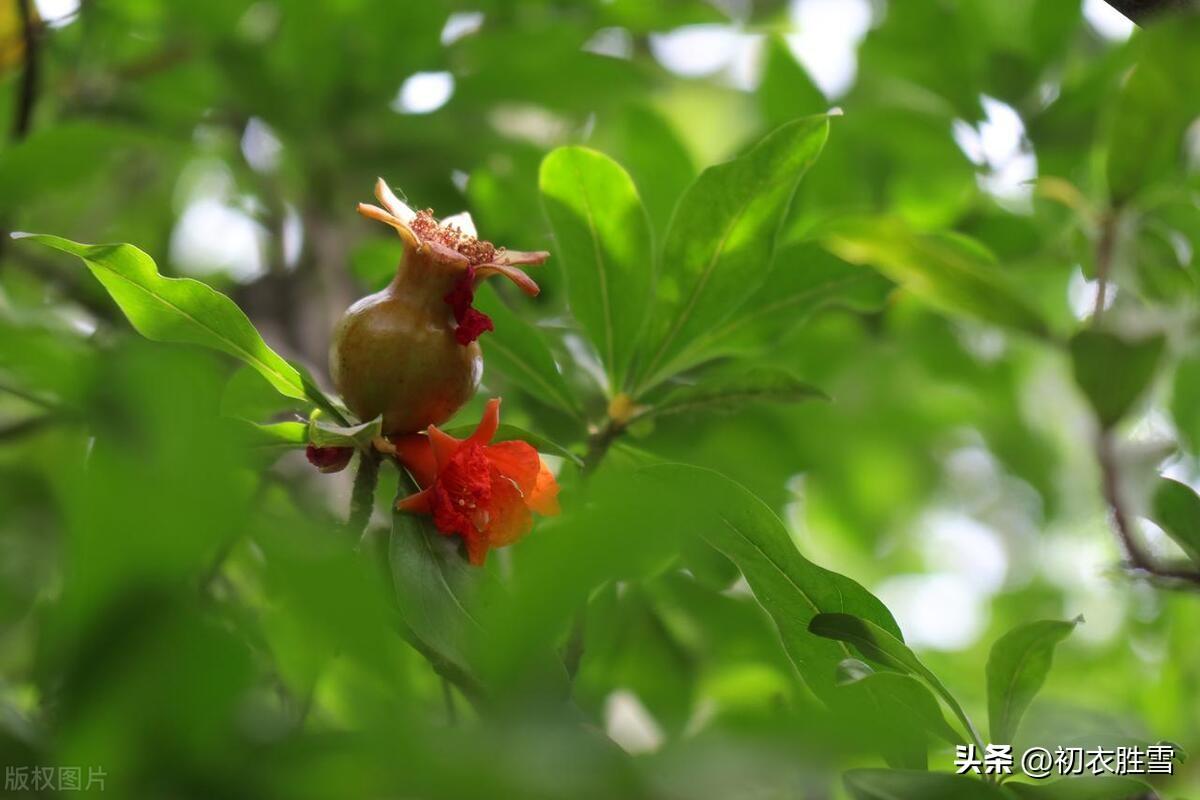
{"x": 27, "y": 92}
{"x": 1141, "y": 11}
{"x": 29, "y": 76}
{"x": 1138, "y": 559}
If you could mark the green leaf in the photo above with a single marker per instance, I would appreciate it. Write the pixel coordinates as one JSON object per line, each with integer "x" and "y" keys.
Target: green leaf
{"x": 951, "y": 274}
{"x": 1084, "y": 787}
{"x": 803, "y": 279}
{"x": 904, "y": 693}
{"x": 1175, "y": 507}
{"x": 179, "y": 310}
{"x": 512, "y": 433}
{"x": 327, "y": 434}
{"x": 437, "y": 592}
{"x": 888, "y": 784}
{"x": 1017, "y": 668}
{"x": 892, "y": 711}
{"x": 730, "y": 392}
{"x": 604, "y": 245}
{"x": 1113, "y": 372}
{"x": 789, "y": 587}
{"x": 1154, "y": 108}
{"x": 519, "y": 351}
{"x": 721, "y": 239}
{"x": 1185, "y": 400}
{"x": 277, "y": 435}
{"x": 886, "y": 648}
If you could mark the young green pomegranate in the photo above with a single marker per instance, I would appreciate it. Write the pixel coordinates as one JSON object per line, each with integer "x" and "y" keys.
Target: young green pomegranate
{"x": 409, "y": 352}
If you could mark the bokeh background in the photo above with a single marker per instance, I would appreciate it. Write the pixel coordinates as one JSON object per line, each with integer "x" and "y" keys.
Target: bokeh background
{"x": 174, "y": 610}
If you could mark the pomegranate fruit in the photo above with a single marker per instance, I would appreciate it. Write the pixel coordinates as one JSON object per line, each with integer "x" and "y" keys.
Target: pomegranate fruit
{"x": 409, "y": 352}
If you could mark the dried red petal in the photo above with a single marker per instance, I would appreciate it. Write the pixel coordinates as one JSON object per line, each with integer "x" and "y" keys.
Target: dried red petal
{"x": 472, "y": 323}
{"x": 462, "y": 294}
{"x": 329, "y": 459}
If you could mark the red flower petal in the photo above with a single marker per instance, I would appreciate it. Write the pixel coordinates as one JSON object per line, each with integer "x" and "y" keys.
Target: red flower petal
{"x": 484, "y": 493}
{"x": 489, "y": 423}
{"x": 510, "y": 518}
{"x": 477, "y": 548}
{"x": 544, "y": 497}
{"x": 443, "y": 446}
{"x": 416, "y": 454}
{"x": 517, "y": 461}
{"x": 419, "y": 503}
{"x": 463, "y": 491}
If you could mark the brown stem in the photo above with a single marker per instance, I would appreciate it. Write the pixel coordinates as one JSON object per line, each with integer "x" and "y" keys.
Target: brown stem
{"x": 1138, "y": 559}
{"x": 30, "y": 75}
{"x": 27, "y": 92}
{"x": 1141, "y": 10}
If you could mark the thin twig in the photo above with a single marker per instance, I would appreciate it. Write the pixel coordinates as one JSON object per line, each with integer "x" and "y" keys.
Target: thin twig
{"x": 27, "y": 92}
{"x": 1139, "y": 560}
{"x": 1141, "y": 10}
{"x": 30, "y": 74}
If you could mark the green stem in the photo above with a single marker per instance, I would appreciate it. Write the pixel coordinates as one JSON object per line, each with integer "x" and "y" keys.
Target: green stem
{"x": 27, "y": 427}
{"x": 598, "y": 445}
{"x": 448, "y": 699}
{"x": 362, "y": 499}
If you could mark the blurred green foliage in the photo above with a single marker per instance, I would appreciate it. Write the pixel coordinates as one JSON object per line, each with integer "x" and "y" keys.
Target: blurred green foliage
{"x": 837, "y": 398}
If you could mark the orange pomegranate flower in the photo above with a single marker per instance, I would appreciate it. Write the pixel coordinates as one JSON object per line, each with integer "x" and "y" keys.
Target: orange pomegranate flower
{"x": 483, "y": 492}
